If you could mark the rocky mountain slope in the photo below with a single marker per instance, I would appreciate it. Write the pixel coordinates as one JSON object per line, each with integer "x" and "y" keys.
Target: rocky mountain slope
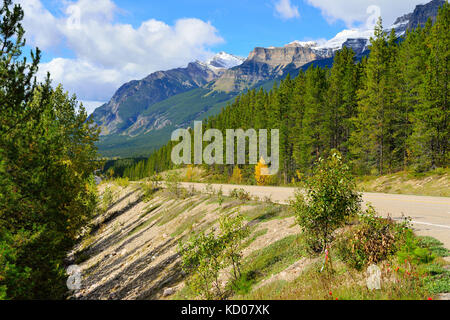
{"x": 141, "y": 114}
{"x": 265, "y": 64}
{"x": 121, "y": 114}
{"x": 420, "y": 16}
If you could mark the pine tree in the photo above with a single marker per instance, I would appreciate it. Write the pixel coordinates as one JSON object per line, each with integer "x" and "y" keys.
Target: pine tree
{"x": 341, "y": 99}
{"x": 369, "y": 141}
{"x": 314, "y": 135}
{"x": 47, "y": 193}
{"x": 431, "y": 130}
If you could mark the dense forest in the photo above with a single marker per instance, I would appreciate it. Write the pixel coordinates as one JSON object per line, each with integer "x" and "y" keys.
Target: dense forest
{"x": 386, "y": 113}
{"x": 47, "y": 189}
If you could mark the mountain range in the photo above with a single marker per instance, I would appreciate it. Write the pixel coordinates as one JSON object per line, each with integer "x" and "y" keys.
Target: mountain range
{"x": 142, "y": 113}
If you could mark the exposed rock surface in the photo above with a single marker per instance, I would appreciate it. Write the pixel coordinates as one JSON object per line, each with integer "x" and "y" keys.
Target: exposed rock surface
{"x": 134, "y": 97}
{"x": 423, "y": 12}
{"x": 266, "y": 64}
{"x": 131, "y": 252}
{"x": 357, "y": 45}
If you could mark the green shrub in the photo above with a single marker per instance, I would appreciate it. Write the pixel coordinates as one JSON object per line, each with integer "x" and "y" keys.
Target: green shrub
{"x": 173, "y": 184}
{"x": 411, "y": 251}
{"x": 244, "y": 284}
{"x": 220, "y": 196}
{"x": 148, "y": 190}
{"x": 437, "y": 279}
{"x": 122, "y": 182}
{"x": 205, "y": 254}
{"x": 330, "y": 199}
{"x": 107, "y": 198}
{"x": 434, "y": 245}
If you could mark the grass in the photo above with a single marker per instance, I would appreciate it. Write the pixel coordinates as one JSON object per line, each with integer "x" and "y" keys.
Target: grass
{"x": 147, "y": 222}
{"x": 406, "y": 281}
{"x": 266, "y": 212}
{"x": 148, "y": 211}
{"x": 273, "y": 259}
{"x": 343, "y": 284}
{"x": 188, "y": 223}
{"x": 253, "y": 237}
{"x": 169, "y": 216}
{"x": 434, "y": 183}
{"x": 184, "y": 294}
{"x": 121, "y": 182}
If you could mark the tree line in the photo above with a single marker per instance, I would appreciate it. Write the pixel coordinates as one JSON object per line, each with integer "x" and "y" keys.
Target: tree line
{"x": 387, "y": 112}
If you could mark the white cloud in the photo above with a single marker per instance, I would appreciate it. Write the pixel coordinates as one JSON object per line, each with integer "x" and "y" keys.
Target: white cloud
{"x": 108, "y": 54}
{"x": 286, "y": 10}
{"x": 355, "y": 12}
{"x": 41, "y": 26}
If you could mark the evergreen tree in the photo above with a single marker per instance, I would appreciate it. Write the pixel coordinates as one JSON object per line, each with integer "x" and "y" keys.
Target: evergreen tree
{"x": 431, "y": 130}
{"x": 341, "y": 99}
{"x": 47, "y": 192}
{"x": 370, "y": 140}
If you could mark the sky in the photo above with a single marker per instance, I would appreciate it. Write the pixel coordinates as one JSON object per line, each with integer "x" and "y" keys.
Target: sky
{"x": 93, "y": 47}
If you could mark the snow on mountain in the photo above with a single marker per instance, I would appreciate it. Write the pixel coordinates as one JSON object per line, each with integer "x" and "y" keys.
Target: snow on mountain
{"x": 335, "y": 43}
{"x": 358, "y": 37}
{"x": 224, "y": 60}
{"x": 306, "y": 44}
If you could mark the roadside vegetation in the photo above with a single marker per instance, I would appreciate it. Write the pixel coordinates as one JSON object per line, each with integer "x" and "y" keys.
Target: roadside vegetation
{"x": 435, "y": 183}
{"x": 338, "y": 241}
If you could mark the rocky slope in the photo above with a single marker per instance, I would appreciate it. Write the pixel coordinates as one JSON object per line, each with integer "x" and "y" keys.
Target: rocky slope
{"x": 422, "y": 13}
{"x": 265, "y": 64}
{"x": 121, "y": 113}
{"x": 131, "y": 250}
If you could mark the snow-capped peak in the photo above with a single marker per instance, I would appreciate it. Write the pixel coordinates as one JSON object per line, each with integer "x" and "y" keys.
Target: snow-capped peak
{"x": 337, "y": 42}
{"x": 224, "y": 60}
{"x": 326, "y": 47}
{"x": 307, "y": 44}
{"x": 345, "y": 36}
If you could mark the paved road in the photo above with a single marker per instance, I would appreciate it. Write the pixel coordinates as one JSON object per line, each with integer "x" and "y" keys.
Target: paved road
{"x": 430, "y": 215}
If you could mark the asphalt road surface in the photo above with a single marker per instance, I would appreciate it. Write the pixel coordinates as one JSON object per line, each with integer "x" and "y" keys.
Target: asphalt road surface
{"x": 430, "y": 215}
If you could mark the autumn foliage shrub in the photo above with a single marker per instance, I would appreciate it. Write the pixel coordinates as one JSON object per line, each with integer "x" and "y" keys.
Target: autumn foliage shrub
{"x": 372, "y": 241}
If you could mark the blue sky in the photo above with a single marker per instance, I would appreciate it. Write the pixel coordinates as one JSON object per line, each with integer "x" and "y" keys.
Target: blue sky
{"x": 244, "y": 24}
{"x": 94, "y": 46}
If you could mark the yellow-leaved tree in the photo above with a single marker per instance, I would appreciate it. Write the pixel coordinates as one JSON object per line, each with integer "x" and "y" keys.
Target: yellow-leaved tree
{"x": 237, "y": 176}
{"x": 261, "y": 170}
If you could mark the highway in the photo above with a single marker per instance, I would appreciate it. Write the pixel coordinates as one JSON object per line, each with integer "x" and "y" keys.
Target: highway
{"x": 430, "y": 215}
